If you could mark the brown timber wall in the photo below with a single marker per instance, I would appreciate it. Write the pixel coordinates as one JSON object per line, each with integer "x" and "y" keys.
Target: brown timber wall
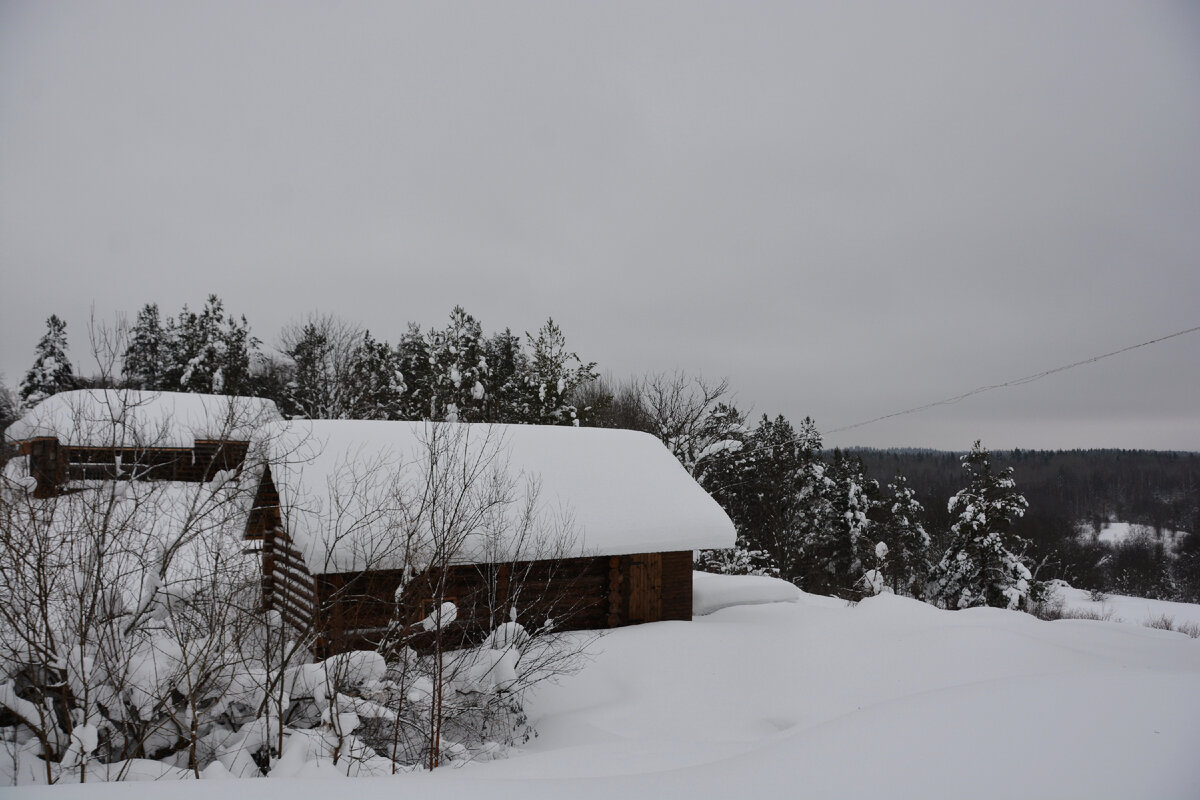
{"x": 358, "y": 607}
{"x": 287, "y": 585}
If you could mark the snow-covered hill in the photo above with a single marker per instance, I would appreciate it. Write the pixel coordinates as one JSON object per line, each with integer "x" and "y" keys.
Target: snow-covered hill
{"x": 815, "y": 698}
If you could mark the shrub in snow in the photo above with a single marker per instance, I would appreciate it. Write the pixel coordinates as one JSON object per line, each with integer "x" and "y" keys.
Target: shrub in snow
{"x": 737, "y": 560}
{"x": 979, "y": 567}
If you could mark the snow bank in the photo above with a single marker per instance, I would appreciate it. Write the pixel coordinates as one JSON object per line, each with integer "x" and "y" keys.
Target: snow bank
{"x": 346, "y": 486}
{"x": 713, "y": 592}
{"x": 130, "y": 418}
{"x": 887, "y": 698}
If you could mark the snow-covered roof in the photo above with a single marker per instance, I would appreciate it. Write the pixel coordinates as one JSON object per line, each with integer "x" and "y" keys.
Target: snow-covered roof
{"x": 130, "y": 418}
{"x": 378, "y": 495}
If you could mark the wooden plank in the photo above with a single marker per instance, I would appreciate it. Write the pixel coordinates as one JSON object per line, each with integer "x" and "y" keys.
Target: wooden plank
{"x": 653, "y": 563}
{"x": 614, "y": 591}
{"x": 639, "y": 589}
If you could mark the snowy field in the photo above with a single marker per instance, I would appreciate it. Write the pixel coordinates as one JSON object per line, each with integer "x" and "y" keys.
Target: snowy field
{"x": 1119, "y": 532}
{"x": 810, "y": 697}
{"x": 1133, "y": 610}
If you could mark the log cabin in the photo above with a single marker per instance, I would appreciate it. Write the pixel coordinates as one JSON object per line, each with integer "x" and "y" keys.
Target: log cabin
{"x": 369, "y": 528}
{"x": 125, "y": 434}
{"x": 366, "y": 529}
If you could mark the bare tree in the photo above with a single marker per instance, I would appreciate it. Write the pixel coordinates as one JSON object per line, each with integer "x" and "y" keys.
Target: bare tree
{"x": 679, "y": 407}
{"x": 322, "y": 349}
{"x": 122, "y": 598}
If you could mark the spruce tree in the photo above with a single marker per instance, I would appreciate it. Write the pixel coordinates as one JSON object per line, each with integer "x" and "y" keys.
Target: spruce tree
{"x": 51, "y": 372}
{"x": 980, "y": 568}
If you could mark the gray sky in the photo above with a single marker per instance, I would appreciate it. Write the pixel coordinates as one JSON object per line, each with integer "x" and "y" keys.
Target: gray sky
{"x": 847, "y": 209}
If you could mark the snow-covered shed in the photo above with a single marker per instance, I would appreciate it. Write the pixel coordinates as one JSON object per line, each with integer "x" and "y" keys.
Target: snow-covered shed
{"x": 368, "y": 524}
{"x": 124, "y": 433}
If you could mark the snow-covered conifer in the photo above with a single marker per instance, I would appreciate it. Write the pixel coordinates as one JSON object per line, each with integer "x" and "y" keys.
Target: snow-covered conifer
{"x": 413, "y": 357}
{"x": 9, "y": 407}
{"x": 836, "y": 548}
{"x": 211, "y": 352}
{"x": 554, "y": 373}
{"x": 51, "y": 372}
{"x": 905, "y": 537}
{"x": 507, "y": 397}
{"x": 146, "y": 358}
{"x": 979, "y": 567}
{"x": 375, "y": 384}
{"x": 763, "y": 480}
{"x": 459, "y": 369}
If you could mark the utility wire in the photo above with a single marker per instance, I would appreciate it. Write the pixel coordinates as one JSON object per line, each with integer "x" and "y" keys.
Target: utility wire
{"x": 1015, "y": 382}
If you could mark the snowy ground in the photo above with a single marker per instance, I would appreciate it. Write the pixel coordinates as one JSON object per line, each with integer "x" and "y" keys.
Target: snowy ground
{"x": 814, "y": 698}
{"x": 1134, "y": 610}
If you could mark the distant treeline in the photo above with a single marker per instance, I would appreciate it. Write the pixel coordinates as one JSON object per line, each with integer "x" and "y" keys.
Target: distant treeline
{"x": 1070, "y": 492}
{"x": 845, "y": 523}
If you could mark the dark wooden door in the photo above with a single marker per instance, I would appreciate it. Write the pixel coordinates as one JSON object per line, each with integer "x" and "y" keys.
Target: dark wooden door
{"x": 645, "y": 587}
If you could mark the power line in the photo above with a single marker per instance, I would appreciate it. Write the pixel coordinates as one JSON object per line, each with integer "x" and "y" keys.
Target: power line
{"x": 1015, "y": 382}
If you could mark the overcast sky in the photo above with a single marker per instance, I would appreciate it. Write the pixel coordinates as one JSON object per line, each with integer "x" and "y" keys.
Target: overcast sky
{"x": 846, "y": 209}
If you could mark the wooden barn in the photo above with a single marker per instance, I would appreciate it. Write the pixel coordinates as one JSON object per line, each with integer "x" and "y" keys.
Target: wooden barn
{"x": 105, "y": 434}
{"x": 369, "y": 528}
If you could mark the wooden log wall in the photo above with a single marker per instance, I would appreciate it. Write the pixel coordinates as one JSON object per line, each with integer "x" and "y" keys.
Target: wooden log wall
{"x": 575, "y": 594}
{"x": 287, "y": 585}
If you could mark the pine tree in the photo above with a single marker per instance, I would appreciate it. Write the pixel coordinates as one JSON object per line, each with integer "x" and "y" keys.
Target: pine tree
{"x": 375, "y": 384}
{"x": 552, "y": 379}
{"x": 145, "y": 362}
{"x": 51, "y": 372}
{"x": 459, "y": 370}
{"x": 979, "y": 567}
